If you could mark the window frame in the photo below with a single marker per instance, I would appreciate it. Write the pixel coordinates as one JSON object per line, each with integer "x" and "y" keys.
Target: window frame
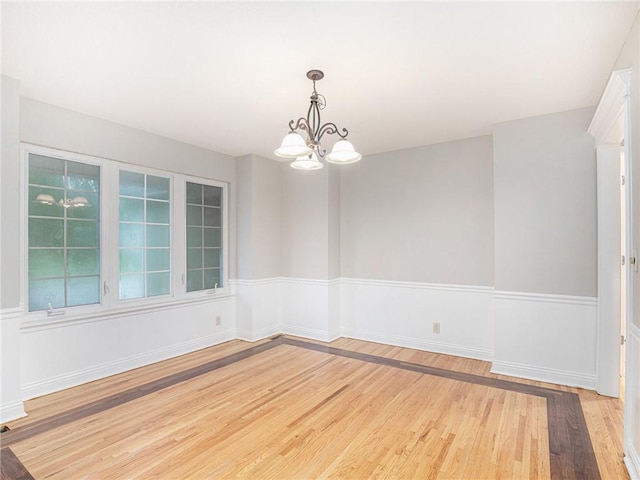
{"x": 109, "y": 221}
{"x": 224, "y": 264}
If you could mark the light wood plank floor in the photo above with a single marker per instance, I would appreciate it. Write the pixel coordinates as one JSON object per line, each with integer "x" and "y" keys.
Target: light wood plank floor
{"x": 288, "y": 411}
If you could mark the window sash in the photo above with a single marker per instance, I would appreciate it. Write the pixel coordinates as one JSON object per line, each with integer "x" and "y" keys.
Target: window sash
{"x": 83, "y": 260}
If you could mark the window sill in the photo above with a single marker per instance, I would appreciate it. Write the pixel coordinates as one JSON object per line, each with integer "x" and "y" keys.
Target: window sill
{"x": 45, "y": 323}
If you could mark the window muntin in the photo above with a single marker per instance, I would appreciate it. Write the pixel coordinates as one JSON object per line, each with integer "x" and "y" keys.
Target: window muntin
{"x": 144, "y": 235}
{"x": 204, "y": 236}
{"x": 63, "y": 230}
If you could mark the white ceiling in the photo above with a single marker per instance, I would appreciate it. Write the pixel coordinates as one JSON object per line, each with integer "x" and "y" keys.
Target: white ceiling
{"x": 229, "y": 76}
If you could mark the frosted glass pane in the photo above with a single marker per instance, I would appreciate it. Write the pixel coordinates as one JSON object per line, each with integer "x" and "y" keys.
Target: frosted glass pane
{"x": 157, "y": 236}
{"x": 92, "y": 211}
{"x": 158, "y": 259}
{"x": 131, "y": 286}
{"x": 211, "y": 277}
{"x": 131, "y": 209}
{"x": 194, "y": 237}
{"x": 82, "y": 233}
{"x": 44, "y": 232}
{"x": 212, "y": 217}
{"x": 158, "y": 187}
{"x": 42, "y": 210}
{"x": 212, "y": 237}
{"x": 83, "y": 262}
{"x": 131, "y": 184}
{"x": 131, "y": 235}
{"x": 41, "y": 292}
{"x": 194, "y": 280}
{"x": 212, "y": 257}
{"x": 158, "y": 284}
{"x": 83, "y": 291}
{"x": 157, "y": 212}
{"x": 194, "y": 258}
{"x": 194, "y": 215}
{"x": 81, "y": 176}
{"x": 46, "y": 263}
{"x": 131, "y": 260}
{"x": 46, "y": 170}
{"x": 194, "y": 193}
{"x": 212, "y": 196}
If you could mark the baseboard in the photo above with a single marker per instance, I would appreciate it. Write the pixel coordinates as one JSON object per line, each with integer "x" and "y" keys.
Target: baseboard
{"x": 632, "y": 462}
{"x": 96, "y": 372}
{"x": 418, "y": 344}
{"x": 255, "y": 335}
{"x": 313, "y": 334}
{"x": 540, "y": 374}
{"x": 11, "y": 411}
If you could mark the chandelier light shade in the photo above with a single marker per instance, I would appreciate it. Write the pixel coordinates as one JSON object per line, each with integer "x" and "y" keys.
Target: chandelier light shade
{"x": 308, "y": 149}
{"x": 46, "y": 199}
{"x": 343, "y": 153}
{"x": 310, "y": 162}
{"x": 293, "y": 146}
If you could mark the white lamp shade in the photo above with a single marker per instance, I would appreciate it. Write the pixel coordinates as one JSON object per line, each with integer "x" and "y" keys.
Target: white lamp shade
{"x": 343, "y": 153}
{"x": 80, "y": 202}
{"x": 293, "y": 146}
{"x": 307, "y": 163}
{"x": 45, "y": 198}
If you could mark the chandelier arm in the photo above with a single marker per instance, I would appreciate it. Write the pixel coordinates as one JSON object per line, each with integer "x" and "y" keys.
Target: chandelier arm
{"x": 331, "y": 128}
{"x": 300, "y": 124}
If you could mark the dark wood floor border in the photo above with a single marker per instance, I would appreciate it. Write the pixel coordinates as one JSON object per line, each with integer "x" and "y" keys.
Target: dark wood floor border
{"x": 11, "y": 468}
{"x": 570, "y": 449}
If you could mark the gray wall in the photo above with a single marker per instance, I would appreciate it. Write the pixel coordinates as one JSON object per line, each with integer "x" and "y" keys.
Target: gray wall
{"x": 259, "y": 217}
{"x": 545, "y": 205}
{"x": 10, "y": 195}
{"x": 422, "y": 215}
{"x": 50, "y": 126}
{"x": 305, "y": 223}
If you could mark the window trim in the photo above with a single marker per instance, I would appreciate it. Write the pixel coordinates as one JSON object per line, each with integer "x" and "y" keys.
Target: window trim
{"x": 110, "y": 304}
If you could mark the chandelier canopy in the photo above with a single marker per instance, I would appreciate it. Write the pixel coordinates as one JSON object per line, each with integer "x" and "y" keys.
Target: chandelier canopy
{"x": 306, "y": 151}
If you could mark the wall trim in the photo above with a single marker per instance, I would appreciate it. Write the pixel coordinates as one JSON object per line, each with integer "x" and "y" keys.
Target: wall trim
{"x": 260, "y": 334}
{"x": 541, "y": 374}
{"x": 424, "y": 345}
{"x": 611, "y": 105}
{"x": 10, "y": 313}
{"x": 11, "y": 411}
{"x": 418, "y": 285}
{"x": 312, "y": 333}
{"x": 78, "y": 377}
{"x": 546, "y": 297}
{"x": 632, "y": 462}
{"x": 105, "y": 315}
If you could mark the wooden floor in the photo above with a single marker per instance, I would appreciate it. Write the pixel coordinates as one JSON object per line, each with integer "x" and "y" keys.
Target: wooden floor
{"x": 293, "y": 409}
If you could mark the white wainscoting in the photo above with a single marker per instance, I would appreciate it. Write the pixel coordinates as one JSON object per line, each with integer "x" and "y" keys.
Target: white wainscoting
{"x": 11, "y": 405}
{"x": 309, "y": 308}
{"x": 550, "y": 338}
{"x": 403, "y": 314}
{"x": 258, "y": 308}
{"x": 55, "y": 356}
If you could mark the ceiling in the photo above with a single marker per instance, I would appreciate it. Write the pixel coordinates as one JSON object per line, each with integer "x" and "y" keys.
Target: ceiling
{"x": 228, "y": 76}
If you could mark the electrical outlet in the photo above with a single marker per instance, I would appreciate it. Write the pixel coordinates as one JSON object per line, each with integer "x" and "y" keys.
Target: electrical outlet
{"x": 436, "y": 327}
{"x": 218, "y": 320}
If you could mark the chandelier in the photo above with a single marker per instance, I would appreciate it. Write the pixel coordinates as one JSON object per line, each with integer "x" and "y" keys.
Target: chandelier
{"x": 306, "y": 151}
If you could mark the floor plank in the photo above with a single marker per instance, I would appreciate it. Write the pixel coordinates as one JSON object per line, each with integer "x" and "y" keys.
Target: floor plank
{"x": 288, "y": 408}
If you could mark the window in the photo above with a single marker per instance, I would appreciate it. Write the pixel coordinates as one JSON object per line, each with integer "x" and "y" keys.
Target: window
{"x": 204, "y": 237}
{"x": 144, "y": 209}
{"x": 64, "y": 233}
{"x": 102, "y": 235}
